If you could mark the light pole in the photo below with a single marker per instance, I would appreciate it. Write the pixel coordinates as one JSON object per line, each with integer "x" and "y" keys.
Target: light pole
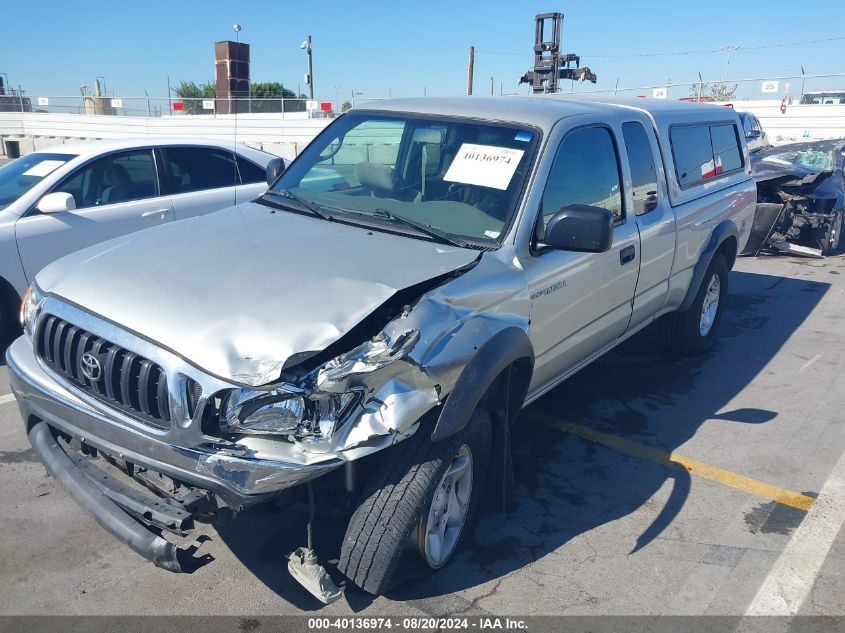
{"x": 337, "y": 95}
{"x": 237, "y": 29}
{"x": 309, "y": 78}
{"x": 355, "y": 93}
{"x": 729, "y": 48}
{"x": 803, "y": 77}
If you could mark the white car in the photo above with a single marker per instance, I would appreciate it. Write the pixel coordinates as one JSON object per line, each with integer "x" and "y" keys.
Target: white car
{"x": 62, "y": 199}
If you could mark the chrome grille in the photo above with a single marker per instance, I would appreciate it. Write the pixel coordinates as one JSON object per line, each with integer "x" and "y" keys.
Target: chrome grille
{"x": 123, "y": 379}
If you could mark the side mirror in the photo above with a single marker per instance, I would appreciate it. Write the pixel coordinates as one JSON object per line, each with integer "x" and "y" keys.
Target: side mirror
{"x": 274, "y": 169}
{"x": 580, "y": 227}
{"x": 752, "y": 134}
{"x": 56, "y": 202}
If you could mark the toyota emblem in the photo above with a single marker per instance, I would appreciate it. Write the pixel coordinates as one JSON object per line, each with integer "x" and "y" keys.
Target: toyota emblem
{"x": 91, "y": 367}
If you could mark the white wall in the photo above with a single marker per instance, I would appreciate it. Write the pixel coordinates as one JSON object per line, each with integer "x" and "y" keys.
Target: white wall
{"x": 271, "y": 132}
{"x": 798, "y": 122}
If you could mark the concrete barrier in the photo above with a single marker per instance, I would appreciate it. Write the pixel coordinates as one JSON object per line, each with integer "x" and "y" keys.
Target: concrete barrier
{"x": 282, "y": 136}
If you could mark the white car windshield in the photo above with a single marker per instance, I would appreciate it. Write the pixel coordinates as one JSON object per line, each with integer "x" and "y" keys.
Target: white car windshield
{"x": 456, "y": 177}
{"x": 21, "y": 175}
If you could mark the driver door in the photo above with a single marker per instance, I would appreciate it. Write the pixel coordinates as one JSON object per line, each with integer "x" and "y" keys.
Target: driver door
{"x": 115, "y": 195}
{"x": 581, "y": 302}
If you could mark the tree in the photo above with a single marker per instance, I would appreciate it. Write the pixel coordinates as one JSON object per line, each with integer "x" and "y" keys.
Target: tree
{"x": 346, "y": 106}
{"x": 265, "y": 96}
{"x": 720, "y": 91}
{"x": 193, "y": 94}
{"x": 273, "y": 97}
{"x": 268, "y": 89}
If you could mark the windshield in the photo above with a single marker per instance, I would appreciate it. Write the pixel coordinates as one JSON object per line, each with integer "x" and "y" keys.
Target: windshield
{"x": 815, "y": 159}
{"x": 21, "y": 175}
{"x": 459, "y": 177}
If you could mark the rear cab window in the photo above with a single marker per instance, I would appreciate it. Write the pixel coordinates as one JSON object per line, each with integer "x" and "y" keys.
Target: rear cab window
{"x": 704, "y": 152}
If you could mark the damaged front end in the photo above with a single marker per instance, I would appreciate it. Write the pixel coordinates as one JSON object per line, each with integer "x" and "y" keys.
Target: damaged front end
{"x": 800, "y": 199}
{"x": 371, "y": 387}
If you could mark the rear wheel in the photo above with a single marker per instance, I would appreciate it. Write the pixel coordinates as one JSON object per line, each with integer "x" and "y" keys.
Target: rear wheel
{"x": 423, "y": 496}
{"x": 694, "y": 330}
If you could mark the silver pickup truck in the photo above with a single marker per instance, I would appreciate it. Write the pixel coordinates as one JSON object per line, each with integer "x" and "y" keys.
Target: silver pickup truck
{"x": 365, "y": 333}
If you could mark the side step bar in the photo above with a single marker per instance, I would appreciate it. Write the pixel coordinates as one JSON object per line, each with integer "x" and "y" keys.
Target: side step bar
{"x": 108, "y": 514}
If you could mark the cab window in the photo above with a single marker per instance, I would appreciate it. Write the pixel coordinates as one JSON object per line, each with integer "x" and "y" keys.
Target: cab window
{"x": 115, "y": 178}
{"x": 585, "y": 171}
{"x": 643, "y": 170}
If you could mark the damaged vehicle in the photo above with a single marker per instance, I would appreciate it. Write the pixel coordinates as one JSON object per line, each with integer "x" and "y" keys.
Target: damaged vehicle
{"x": 362, "y": 336}
{"x": 801, "y": 197}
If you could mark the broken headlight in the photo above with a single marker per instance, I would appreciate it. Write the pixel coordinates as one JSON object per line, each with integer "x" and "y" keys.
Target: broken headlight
{"x": 280, "y": 413}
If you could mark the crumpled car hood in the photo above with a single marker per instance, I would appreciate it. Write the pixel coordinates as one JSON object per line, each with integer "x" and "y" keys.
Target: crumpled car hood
{"x": 237, "y": 292}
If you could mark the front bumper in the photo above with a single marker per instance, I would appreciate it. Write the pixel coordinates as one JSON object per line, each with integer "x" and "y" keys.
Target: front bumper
{"x": 237, "y": 481}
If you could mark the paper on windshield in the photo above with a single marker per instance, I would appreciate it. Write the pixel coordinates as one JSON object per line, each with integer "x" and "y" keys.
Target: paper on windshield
{"x": 484, "y": 165}
{"x": 43, "y": 168}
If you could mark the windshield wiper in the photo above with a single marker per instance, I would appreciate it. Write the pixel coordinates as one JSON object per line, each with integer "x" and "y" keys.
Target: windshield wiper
{"x": 437, "y": 234}
{"x": 305, "y": 204}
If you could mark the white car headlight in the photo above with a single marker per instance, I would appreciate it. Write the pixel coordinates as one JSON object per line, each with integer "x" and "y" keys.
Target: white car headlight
{"x": 312, "y": 417}
{"x": 30, "y": 306}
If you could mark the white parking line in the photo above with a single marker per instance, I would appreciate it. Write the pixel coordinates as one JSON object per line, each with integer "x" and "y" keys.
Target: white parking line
{"x": 7, "y": 398}
{"x": 793, "y": 574}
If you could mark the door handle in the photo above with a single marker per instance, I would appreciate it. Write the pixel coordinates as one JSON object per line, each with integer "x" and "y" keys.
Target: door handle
{"x": 627, "y": 254}
{"x": 154, "y": 212}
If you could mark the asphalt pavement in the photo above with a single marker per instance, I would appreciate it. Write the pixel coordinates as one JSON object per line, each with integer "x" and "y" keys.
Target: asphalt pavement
{"x": 645, "y": 485}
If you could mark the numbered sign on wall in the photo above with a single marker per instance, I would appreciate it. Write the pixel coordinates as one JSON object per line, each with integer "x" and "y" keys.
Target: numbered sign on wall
{"x": 769, "y": 86}
{"x": 660, "y": 93}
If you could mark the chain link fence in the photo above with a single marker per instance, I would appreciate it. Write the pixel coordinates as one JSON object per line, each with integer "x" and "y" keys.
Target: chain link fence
{"x": 807, "y": 89}
{"x": 15, "y": 101}
{"x": 794, "y": 89}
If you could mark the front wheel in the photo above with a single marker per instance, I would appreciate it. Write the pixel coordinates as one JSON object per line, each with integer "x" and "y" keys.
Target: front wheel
{"x": 694, "y": 330}
{"x": 829, "y": 237}
{"x": 424, "y": 495}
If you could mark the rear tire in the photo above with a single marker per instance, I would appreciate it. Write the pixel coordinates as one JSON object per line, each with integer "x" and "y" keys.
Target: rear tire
{"x": 399, "y": 496}
{"x": 693, "y": 331}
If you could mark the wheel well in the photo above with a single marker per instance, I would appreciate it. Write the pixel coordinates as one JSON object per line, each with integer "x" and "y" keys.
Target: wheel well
{"x": 520, "y": 378}
{"x": 8, "y": 296}
{"x": 728, "y": 248}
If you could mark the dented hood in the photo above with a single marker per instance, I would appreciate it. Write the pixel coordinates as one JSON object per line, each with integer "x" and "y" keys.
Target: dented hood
{"x": 239, "y": 291}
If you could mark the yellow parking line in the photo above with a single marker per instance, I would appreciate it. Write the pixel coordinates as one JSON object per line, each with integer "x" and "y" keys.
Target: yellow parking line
{"x": 695, "y": 467}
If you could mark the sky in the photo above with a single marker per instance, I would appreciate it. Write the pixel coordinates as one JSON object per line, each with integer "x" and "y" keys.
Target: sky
{"x": 400, "y": 48}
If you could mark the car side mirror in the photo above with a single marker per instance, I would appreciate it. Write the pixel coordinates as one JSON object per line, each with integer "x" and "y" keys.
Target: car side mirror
{"x": 56, "y": 202}
{"x": 274, "y": 169}
{"x": 752, "y": 134}
{"x": 580, "y": 227}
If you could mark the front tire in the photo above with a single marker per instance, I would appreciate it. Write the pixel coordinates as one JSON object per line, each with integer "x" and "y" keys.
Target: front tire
{"x": 400, "y": 499}
{"x": 693, "y": 331}
{"x": 829, "y": 238}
